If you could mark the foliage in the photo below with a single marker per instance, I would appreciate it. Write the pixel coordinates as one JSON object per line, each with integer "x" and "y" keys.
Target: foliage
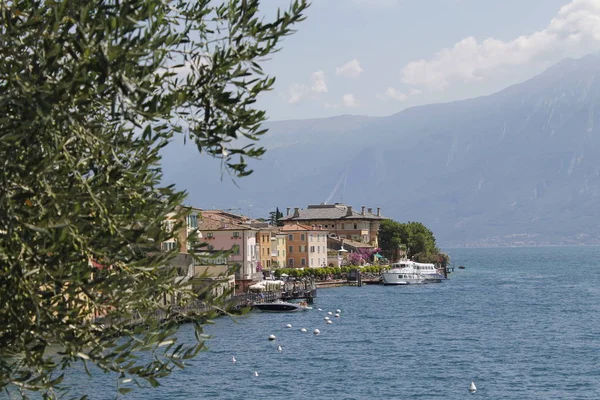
{"x": 362, "y": 256}
{"x": 274, "y": 217}
{"x": 90, "y": 92}
{"x": 414, "y": 237}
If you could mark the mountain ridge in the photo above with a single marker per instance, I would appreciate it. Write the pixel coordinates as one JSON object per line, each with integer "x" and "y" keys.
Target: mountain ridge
{"x": 514, "y": 167}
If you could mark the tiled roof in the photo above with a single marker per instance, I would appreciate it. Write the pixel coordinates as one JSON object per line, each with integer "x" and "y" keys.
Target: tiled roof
{"x": 330, "y": 211}
{"x": 299, "y": 227}
{"x": 215, "y": 220}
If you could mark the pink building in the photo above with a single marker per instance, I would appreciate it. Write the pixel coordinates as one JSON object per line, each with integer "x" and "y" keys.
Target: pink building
{"x": 225, "y": 231}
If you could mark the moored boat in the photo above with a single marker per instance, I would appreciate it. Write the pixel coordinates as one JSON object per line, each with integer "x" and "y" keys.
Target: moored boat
{"x": 281, "y": 306}
{"x": 408, "y": 272}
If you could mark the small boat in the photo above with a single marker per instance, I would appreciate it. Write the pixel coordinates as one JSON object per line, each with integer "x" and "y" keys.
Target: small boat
{"x": 282, "y": 306}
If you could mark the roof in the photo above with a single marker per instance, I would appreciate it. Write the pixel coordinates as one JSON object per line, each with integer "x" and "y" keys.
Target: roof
{"x": 216, "y": 220}
{"x": 330, "y": 211}
{"x": 300, "y": 227}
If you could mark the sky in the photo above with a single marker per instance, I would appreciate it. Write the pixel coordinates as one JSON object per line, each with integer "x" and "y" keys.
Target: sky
{"x": 378, "y": 57}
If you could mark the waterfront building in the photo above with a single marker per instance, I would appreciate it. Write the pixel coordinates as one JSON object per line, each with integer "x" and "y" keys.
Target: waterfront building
{"x": 183, "y": 239}
{"x": 340, "y": 220}
{"x": 306, "y": 245}
{"x": 226, "y": 231}
{"x": 278, "y": 249}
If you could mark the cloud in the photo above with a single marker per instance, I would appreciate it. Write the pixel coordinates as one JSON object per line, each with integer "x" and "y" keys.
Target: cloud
{"x": 573, "y": 31}
{"x": 298, "y": 91}
{"x": 351, "y": 69}
{"x": 349, "y": 101}
{"x": 393, "y": 94}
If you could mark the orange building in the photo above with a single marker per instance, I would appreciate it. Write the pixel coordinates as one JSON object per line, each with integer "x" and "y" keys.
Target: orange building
{"x": 306, "y": 245}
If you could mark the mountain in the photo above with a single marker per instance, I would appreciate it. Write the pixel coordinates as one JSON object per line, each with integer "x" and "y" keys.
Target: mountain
{"x": 521, "y": 166}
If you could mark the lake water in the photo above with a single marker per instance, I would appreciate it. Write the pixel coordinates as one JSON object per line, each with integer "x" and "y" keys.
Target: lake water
{"x": 522, "y": 323}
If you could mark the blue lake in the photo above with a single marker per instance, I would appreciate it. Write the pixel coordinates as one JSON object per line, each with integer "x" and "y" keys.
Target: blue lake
{"x": 522, "y": 323}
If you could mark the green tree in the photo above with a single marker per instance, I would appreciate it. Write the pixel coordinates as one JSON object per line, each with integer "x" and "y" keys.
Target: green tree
{"x": 274, "y": 217}
{"x": 413, "y": 237}
{"x": 90, "y": 92}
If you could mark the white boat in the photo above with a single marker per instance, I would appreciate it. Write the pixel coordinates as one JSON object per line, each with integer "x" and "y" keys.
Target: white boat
{"x": 281, "y": 306}
{"x": 408, "y": 272}
{"x": 402, "y": 273}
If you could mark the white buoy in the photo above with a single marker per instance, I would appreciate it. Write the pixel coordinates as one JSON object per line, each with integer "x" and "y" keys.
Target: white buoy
{"x": 272, "y": 337}
{"x": 279, "y": 348}
{"x": 255, "y": 373}
{"x": 316, "y": 331}
{"x": 472, "y": 387}
{"x": 329, "y": 313}
{"x": 329, "y": 321}
{"x": 233, "y": 360}
{"x": 319, "y": 309}
{"x": 338, "y": 311}
{"x": 302, "y": 329}
{"x": 337, "y": 315}
{"x": 288, "y": 326}
{"x": 326, "y": 318}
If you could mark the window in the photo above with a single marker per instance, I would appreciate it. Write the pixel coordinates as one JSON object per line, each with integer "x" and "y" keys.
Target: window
{"x": 210, "y": 235}
{"x": 312, "y": 262}
{"x": 236, "y": 235}
{"x": 302, "y": 237}
{"x": 302, "y": 249}
{"x": 343, "y": 226}
{"x": 290, "y": 249}
{"x": 312, "y": 249}
{"x": 291, "y": 262}
{"x": 168, "y": 246}
{"x": 235, "y": 249}
{"x": 303, "y": 262}
{"x": 290, "y": 237}
{"x": 210, "y": 247}
{"x": 192, "y": 221}
{"x": 355, "y": 226}
{"x": 277, "y": 253}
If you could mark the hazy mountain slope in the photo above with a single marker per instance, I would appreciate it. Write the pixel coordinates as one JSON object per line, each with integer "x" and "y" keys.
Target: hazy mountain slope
{"x": 484, "y": 170}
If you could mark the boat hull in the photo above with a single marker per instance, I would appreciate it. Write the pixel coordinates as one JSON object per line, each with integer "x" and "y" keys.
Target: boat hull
{"x": 279, "y": 307}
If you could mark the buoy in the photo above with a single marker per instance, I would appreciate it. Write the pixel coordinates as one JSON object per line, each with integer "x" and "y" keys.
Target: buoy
{"x": 316, "y": 331}
{"x": 255, "y": 373}
{"x": 279, "y": 348}
{"x": 329, "y": 321}
{"x": 288, "y": 326}
{"x": 472, "y": 387}
{"x": 338, "y": 311}
{"x": 329, "y": 313}
{"x": 337, "y": 315}
{"x": 272, "y": 337}
{"x": 320, "y": 309}
{"x": 233, "y": 360}
{"x": 326, "y": 318}
{"x": 302, "y": 329}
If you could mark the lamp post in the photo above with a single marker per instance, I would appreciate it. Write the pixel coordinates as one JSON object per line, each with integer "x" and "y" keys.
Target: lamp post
{"x": 341, "y": 252}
